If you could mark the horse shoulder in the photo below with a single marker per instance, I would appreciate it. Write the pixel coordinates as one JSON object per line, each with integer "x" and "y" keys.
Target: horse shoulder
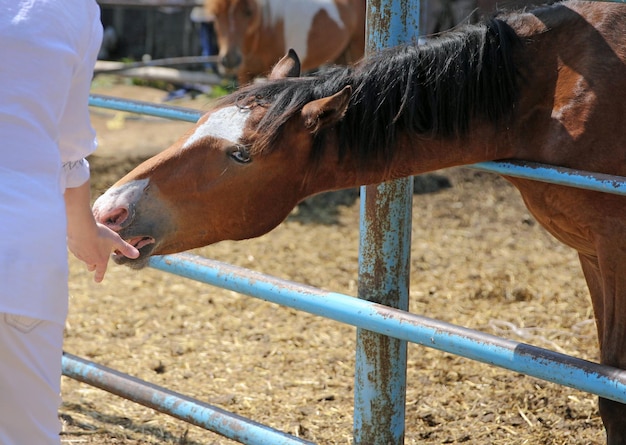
{"x": 573, "y": 86}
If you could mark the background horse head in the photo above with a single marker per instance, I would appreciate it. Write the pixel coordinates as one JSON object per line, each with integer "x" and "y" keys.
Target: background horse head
{"x": 547, "y": 85}
{"x": 253, "y": 34}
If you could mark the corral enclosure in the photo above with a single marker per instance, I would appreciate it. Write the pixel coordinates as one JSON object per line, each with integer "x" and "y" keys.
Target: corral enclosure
{"x": 159, "y": 28}
{"x": 478, "y": 260}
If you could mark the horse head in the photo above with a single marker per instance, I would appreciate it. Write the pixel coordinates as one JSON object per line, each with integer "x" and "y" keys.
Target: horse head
{"x": 236, "y": 22}
{"x": 217, "y": 182}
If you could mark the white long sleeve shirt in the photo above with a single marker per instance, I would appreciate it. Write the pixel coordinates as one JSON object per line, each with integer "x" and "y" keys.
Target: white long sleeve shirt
{"x": 47, "y": 52}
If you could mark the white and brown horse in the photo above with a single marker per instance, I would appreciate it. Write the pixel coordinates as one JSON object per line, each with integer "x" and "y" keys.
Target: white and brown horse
{"x": 253, "y": 34}
{"x": 548, "y": 85}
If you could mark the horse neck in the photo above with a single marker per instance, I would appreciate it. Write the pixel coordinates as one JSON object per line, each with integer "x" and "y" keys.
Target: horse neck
{"x": 485, "y": 140}
{"x": 412, "y": 155}
{"x": 262, "y": 35}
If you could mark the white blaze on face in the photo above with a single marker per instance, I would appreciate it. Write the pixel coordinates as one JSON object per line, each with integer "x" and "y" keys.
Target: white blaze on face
{"x": 297, "y": 17}
{"x": 226, "y": 123}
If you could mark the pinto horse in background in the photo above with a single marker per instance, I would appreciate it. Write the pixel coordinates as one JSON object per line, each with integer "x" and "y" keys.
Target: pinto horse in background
{"x": 547, "y": 85}
{"x": 253, "y": 34}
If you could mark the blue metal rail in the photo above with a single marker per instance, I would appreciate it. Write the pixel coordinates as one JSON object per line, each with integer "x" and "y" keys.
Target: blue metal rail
{"x": 605, "y": 381}
{"x": 147, "y": 108}
{"x": 554, "y": 367}
{"x": 177, "y": 405}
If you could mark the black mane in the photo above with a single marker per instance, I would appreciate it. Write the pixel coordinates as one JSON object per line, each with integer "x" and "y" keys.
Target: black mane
{"x": 434, "y": 90}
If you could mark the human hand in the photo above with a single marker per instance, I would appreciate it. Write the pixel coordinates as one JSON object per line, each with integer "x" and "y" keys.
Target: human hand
{"x": 89, "y": 241}
{"x": 94, "y": 248}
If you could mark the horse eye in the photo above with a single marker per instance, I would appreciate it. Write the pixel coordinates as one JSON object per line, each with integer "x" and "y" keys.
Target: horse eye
{"x": 240, "y": 154}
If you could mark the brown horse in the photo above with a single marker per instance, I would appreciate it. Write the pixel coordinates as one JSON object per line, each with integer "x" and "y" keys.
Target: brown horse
{"x": 253, "y": 34}
{"x": 441, "y": 15}
{"x": 547, "y": 85}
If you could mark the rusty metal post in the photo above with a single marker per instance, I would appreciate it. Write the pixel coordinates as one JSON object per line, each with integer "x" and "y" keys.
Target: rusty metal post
{"x": 384, "y": 264}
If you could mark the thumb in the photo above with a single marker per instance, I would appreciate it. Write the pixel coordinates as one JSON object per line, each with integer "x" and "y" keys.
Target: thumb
{"x": 128, "y": 250}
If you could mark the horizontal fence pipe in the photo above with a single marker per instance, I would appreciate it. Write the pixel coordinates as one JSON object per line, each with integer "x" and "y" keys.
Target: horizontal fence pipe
{"x": 177, "y": 405}
{"x": 161, "y": 73}
{"x": 147, "y": 108}
{"x": 104, "y": 66}
{"x": 535, "y": 171}
{"x": 605, "y": 381}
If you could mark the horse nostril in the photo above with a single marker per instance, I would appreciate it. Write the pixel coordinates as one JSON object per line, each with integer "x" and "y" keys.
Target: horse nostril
{"x": 231, "y": 60}
{"x": 116, "y": 219}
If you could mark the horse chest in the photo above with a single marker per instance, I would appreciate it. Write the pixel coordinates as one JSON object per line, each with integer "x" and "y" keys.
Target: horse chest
{"x": 573, "y": 216}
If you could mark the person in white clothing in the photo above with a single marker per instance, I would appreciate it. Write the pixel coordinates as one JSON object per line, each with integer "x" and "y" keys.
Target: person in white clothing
{"x": 48, "y": 50}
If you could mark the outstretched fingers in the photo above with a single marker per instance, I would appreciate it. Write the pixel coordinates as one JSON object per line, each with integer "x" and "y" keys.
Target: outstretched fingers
{"x": 112, "y": 243}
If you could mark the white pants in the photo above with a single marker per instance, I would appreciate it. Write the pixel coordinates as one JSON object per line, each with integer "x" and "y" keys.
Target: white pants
{"x": 30, "y": 380}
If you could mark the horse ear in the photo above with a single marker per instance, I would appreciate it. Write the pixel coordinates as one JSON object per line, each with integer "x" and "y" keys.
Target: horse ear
{"x": 288, "y": 66}
{"x": 327, "y": 111}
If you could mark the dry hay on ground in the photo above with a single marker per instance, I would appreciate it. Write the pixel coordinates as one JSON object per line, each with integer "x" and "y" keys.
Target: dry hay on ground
{"x": 478, "y": 260}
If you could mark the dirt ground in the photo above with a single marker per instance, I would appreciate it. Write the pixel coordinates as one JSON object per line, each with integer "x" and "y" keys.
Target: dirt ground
{"x": 478, "y": 260}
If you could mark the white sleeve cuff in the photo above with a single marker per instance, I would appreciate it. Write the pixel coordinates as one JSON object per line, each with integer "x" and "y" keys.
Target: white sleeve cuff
{"x": 76, "y": 173}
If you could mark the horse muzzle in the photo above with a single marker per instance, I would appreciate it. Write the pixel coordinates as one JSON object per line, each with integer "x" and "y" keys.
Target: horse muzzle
{"x": 139, "y": 217}
{"x": 231, "y": 61}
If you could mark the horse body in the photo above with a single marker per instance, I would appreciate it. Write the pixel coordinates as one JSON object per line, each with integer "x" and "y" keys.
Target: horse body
{"x": 442, "y": 15}
{"x": 548, "y": 85}
{"x": 254, "y": 34}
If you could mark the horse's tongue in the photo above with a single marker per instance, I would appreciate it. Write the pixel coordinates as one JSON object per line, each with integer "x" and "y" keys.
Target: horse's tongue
{"x": 140, "y": 241}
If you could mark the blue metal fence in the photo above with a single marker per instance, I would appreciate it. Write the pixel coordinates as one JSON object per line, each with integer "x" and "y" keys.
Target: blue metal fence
{"x": 380, "y": 312}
